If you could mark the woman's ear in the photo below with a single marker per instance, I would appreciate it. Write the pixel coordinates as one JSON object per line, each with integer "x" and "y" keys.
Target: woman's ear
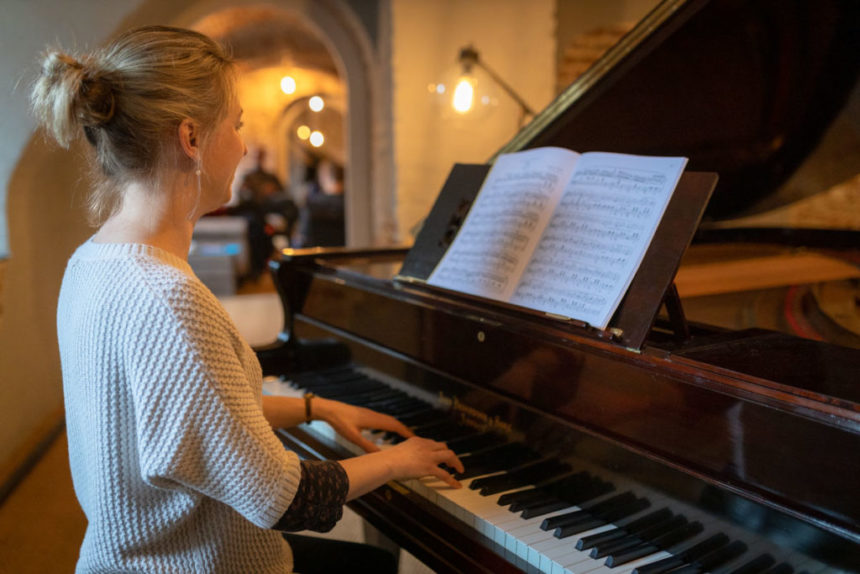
{"x": 189, "y": 139}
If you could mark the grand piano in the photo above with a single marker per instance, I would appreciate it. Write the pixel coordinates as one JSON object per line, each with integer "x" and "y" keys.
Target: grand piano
{"x": 694, "y": 448}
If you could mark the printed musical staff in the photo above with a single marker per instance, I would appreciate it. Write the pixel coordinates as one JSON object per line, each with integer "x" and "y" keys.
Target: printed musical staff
{"x": 560, "y": 232}
{"x": 502, "y": 228}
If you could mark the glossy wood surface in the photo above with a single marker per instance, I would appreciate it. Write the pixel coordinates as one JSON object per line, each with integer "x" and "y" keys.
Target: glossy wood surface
{"x": 725, "y": 414}
{"x": 728, "y": 407}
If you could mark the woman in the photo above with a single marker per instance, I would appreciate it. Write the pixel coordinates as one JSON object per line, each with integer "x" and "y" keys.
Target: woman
{"x": 171, "y": 445}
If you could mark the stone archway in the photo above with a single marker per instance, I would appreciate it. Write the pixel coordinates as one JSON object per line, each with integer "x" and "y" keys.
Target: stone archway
{"x": 370, "y": 200}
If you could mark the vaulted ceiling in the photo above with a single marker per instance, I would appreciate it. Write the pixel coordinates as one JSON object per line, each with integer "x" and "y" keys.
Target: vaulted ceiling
{"x": 261, "y": 36}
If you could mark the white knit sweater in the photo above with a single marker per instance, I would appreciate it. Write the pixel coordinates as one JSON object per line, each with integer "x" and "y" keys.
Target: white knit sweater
{"x": 173, "y": 462}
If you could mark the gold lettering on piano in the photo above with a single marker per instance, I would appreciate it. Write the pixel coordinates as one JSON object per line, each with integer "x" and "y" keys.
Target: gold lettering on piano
{"x": 472, "y": 417}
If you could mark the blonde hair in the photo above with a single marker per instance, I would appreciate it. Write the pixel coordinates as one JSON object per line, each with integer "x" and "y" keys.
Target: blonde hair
{"x": 129, "y": 98}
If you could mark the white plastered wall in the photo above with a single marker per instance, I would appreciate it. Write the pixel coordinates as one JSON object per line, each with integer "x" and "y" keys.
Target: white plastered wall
{"x": 514, "y": 37}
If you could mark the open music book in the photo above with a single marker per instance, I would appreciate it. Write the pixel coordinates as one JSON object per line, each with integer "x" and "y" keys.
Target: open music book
{"x": 560, "y": 232}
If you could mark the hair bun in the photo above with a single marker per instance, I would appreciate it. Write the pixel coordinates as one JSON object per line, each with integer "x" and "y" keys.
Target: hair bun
{"x": 70, "y": 95}
{"x": 97, "y": 99}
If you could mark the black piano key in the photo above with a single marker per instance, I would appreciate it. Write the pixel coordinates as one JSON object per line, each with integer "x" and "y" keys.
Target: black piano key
{"x": 587, "y": 542}
{"x": 433, "y": 426}
{"x": 422, "y": 417}
{"x": 781, "y": 568}
{"x": 681, "y": 534}
{"x": 581, "y": 490}
{"x": 524, "y": 475}
{"x": 413, "y": 407}
{"x": 545, "y": 491}
{"x": 443, "y": 432}
{"x": 402, "y": 405}
{"x": 495, "y": 459}
{"x": 564, "y": 519}
{"x": 533, "y": 468}
{"x": 684, "y": 557}
{"x": 472, "y": 443}
{"x": 684, "y": 532}
{"x": 605, "y": 517}
{"x": 645, "y": 536}
{"x": 544, "y": 508}
{"x": 520, "y": 496}
{"x": 714, "y": 559}
{"x": 572, "y": 491}
{"x": 614, "y": 547}
{"x": 661, "y": 566}
{"x": 722, "y": 556}
{"x": 352, "y": 393}
{"x": 323, "y": 377}
{"x": 624, "y": 529}
{"x": 375, "y": 400}
{"x": 631, "y": 554}
{"x": 331, "y": 380}
{"x": 587, "y": 511}
{"x": 393, "y": 405}
{"x": 756, "y": 565}
{"x": 542, "y": 497}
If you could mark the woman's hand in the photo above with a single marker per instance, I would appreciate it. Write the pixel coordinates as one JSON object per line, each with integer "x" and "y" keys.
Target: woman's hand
{"x": 417, "y": 457}
{"x": 349, "y": 421}
{"x": 413, "y": 458}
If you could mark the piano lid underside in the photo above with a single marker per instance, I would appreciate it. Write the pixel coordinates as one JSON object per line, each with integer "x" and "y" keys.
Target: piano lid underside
{"x": 744, "y": 88}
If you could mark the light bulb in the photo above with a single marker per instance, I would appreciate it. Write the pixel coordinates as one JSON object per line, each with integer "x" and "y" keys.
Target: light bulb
{"x": 464, "y": 95}
{"x": 316, "y": 104}
{"x": 317, "y": 138}
{"x": 304, "y": 132}
{"x": 288, "y": 85}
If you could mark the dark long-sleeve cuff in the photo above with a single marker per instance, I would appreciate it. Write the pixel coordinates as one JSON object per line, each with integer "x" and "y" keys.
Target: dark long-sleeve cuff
{"x": 319, "y": 500}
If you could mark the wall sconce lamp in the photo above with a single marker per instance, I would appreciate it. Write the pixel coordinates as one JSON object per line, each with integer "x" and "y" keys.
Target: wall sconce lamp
{"x": 469, "y": 91}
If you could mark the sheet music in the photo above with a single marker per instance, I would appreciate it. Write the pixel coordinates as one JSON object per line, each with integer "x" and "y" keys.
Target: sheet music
{"x": 598, "y": 235}
{"x": 502, "y": 229}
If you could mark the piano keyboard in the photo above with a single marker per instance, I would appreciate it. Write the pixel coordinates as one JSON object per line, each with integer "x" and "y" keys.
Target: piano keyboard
{"x": 552, "y": 516}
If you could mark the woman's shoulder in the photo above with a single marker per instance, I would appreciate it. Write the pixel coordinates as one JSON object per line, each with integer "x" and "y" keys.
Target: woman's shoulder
{"x": 144, "y": 270}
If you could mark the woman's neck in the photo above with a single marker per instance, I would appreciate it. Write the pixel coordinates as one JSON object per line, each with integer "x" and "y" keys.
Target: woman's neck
{"x": 152, "y": 217}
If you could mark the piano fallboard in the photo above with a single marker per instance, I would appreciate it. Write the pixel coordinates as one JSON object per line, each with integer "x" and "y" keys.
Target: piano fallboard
{"x": 702, "y": 417}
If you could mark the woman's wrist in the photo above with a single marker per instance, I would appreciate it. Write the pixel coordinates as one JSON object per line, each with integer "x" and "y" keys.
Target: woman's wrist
{"x": 319, "y": 408}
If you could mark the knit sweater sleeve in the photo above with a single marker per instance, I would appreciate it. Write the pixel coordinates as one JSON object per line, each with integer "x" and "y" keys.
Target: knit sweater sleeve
{"x": 199, "y": 420}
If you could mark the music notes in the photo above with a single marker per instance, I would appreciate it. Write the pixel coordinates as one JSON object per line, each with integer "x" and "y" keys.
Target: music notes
{"x": 559, "y": 232}
{"x": 502, "y": 228}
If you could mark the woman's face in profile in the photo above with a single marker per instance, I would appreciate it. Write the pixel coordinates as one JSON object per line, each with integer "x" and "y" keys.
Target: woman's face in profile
{"x": 226, "y": 148}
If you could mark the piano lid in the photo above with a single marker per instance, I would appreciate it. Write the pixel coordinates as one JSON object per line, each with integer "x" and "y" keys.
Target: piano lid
{"x": 744, "y": 88}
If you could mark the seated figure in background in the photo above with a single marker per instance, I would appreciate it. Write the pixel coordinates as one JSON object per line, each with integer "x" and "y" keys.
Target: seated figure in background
{"x": 270, "y": 212}
{"x": 322, "y": 218}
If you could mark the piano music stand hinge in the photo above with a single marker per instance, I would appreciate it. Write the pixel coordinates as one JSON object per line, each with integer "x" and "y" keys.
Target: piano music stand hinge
{"x": 677, "y": 319}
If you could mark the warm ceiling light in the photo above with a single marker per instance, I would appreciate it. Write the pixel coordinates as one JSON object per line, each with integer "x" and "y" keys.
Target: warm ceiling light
{"x": 288, "y": 85}
{"x": 304, "y": 132}
{"x": 316, "y": 104}
{"x": 317, "y": 139}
